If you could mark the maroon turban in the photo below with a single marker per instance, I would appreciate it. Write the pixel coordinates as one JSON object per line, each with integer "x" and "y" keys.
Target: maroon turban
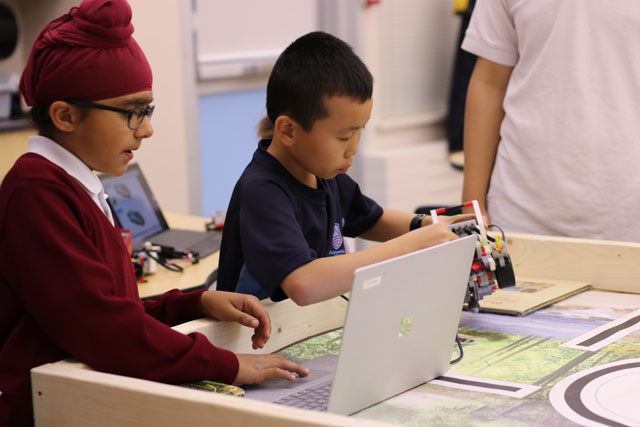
{"x": 86, "y": 54}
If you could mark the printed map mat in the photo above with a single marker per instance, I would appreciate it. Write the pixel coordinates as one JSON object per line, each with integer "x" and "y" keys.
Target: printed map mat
{"x": 577, "y": 361}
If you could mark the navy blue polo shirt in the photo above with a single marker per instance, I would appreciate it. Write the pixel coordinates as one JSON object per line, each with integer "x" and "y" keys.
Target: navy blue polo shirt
{"x": 276, "y": 224}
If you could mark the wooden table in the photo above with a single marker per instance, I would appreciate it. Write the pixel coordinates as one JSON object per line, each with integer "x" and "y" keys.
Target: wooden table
{"x": 71, "y": 394}
{"x": 193, "y": 275}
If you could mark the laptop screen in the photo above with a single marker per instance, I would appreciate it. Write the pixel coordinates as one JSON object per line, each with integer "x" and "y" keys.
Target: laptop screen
{"x": 132, "y": 203}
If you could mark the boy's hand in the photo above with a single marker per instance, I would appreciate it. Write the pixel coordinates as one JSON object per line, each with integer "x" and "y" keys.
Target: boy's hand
{"x": 452, "y": 219}
{"x": 241, "y": 308}
{"x": 432, "y": 235}
{"x": 256, "y": 368}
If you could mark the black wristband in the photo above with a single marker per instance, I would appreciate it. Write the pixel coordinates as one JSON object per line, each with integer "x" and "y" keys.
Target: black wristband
{"x": 416, "y": 222}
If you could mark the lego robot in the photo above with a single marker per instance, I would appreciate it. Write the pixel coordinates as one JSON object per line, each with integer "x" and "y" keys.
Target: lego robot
{"x": 491, "y": 267}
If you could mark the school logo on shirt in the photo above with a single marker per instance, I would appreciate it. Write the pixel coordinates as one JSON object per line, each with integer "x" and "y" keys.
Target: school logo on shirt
{"x": 336, "y": 241}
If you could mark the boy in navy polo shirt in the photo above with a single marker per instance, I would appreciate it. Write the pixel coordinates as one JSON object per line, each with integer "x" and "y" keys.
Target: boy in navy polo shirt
{"x": 294, "y": 202}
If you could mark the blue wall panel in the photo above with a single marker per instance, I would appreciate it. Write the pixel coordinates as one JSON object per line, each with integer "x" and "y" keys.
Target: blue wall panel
{"x": 228, "y": 138}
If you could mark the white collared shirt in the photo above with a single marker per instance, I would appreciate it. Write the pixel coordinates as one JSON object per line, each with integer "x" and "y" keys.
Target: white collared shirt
{"x": 58, "y": 155}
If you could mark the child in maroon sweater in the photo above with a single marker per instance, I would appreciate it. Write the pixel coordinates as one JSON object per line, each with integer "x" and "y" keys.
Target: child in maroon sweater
{"x": 67, "y": 287}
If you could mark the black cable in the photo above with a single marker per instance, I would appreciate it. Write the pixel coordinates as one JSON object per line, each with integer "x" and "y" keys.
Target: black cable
{"x": 499, "y": 228}
{"x": 344, "y": 298}
{"x": 168, "y": 265}
{"x": 491, "y": 239}
{"x": 459, "y": 358}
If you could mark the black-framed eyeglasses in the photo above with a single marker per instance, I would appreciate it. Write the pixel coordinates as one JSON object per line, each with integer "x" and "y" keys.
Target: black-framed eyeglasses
{"x": 135, "y": 116}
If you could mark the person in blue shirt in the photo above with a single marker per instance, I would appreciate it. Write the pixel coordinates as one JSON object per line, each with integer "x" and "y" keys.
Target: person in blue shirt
{"x": 294, "y": 203}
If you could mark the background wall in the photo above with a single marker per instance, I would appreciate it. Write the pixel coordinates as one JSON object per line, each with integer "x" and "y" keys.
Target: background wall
{"x": 228, "y": 128}
{"x": 211, "y": 59}
{"x": 163, "y": 30}
{"x": 170, "y": 157}
{"x": 237, "y": 44}
{"x": 409, "y": 47}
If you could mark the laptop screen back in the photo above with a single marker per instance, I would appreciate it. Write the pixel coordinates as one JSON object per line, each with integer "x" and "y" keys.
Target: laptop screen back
{"x": 401, "y": 324}
{"x": 132, "y": 203}
{"x": 399, "y": 330}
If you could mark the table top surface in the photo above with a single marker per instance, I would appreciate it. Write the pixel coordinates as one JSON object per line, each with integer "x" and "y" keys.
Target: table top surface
{"x": 515, "y": 370}
{"x": 519, "y": 371}
{"x": 192, "y": 276}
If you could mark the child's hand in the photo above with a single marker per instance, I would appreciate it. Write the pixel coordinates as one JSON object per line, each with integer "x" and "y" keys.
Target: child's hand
{"x": 432, "y": 235}
{"x": 241, "y": 308}
{"x": 452, "y": 219}
{"x": 256, "y": 368}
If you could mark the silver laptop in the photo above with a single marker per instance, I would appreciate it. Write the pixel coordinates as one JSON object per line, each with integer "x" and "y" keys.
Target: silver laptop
{"x": 399, "y": 332}
{"x": 134, "y": 207}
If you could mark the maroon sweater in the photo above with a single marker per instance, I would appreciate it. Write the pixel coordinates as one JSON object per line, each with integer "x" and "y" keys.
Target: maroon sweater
{"x": 67, "y": 288}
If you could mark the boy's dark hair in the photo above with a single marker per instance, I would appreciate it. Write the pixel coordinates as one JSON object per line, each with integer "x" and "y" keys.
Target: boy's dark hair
{"x": 315, "y": 66}
{"x": 42, "y": 121}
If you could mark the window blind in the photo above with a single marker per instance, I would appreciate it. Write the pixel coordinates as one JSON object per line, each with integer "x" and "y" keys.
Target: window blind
{"x": 417, "y": 41}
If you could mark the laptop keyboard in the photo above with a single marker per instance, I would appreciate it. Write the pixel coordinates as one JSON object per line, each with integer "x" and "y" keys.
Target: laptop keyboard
{"x": 209, "y": 245}
{"x": 315, "y": 399}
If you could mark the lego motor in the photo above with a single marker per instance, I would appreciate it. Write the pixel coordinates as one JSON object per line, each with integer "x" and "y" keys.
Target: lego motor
{"x": 491, "y": 267}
